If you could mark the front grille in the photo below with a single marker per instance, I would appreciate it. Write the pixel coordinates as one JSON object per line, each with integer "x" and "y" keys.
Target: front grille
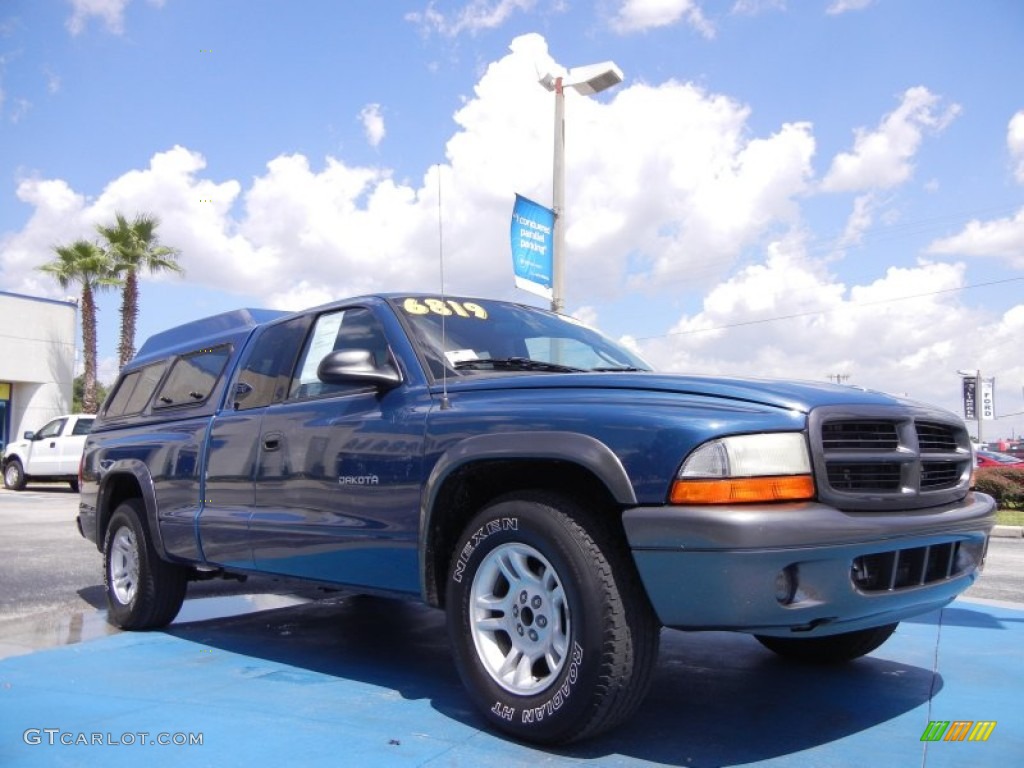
{"x": 915, "y": 567}
{"x": 878, "y": 458}
{"x": 859, "y": 436}
{"x": 939, "y": 474}
{"x": 845, "y": 476}
{"x": 935, "y": 437}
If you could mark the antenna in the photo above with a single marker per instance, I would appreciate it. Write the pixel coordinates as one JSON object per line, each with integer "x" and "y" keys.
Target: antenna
{"x": 445, "y": 404}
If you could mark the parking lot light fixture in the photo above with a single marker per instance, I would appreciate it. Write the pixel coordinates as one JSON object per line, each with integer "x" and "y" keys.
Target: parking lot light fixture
{"x": 586, "y": 80}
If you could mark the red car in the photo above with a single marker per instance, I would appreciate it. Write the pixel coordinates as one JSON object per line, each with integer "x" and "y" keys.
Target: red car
{"x": 995, "y": 459}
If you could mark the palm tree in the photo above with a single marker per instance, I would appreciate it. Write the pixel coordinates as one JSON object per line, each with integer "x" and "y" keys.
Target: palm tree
{"x": 87, "y": 264}
{"x": 134, "y": 247}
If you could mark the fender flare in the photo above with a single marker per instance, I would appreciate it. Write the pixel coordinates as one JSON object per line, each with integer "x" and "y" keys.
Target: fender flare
{"x": 572, "y": 447}
{"x": 140, "y": 472}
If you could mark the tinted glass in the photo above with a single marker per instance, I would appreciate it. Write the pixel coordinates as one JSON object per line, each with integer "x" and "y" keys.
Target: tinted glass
{"x": 267, "y": 369}
{"x": 82, "y": 427}
{"x": 192, "y": 378}
{"x": 53, "y": 429}
{"x": 482, "y": 330}
{"x": 134, "y": 391}
{"x": 355, "y": 328}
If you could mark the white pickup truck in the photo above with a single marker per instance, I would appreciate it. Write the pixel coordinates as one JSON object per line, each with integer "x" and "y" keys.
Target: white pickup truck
{"x": 53, "y": 453}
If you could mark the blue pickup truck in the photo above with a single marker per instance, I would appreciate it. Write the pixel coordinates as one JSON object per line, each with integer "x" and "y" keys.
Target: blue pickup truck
{"x": 537, "y": 481}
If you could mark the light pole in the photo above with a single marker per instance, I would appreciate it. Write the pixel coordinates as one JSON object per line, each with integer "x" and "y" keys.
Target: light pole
{"x": 586, "y": 80}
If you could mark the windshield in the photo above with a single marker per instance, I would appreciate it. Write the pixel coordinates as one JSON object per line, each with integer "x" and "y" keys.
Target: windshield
{"x": 494, "y": 337}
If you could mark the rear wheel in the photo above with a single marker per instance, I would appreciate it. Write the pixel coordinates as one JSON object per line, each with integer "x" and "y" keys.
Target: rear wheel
{"x": 14, "y": 475}
{"x": 143, "y": 591}
{"x": 552, "y": 634}
{"x": 831, "y": 649}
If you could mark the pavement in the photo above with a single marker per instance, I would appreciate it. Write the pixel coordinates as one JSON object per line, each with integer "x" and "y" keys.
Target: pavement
{"x": 367, "y": 681}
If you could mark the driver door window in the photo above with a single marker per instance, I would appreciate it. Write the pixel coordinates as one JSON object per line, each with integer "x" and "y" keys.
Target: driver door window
{"x": 354, "y": 328}
{"x": 53, "y": 429}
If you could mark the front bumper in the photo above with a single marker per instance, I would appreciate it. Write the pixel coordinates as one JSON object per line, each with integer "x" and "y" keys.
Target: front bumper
{"x": 805, "y": 568}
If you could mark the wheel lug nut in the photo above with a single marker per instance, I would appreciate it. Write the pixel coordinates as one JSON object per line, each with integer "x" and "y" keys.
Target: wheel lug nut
{"x": 519, "y": 629}
{"x": 523, "y": 597}
{"x": 515, "y": 610}
{"x": 533, "y": 635}
{"x": 536, "y": 602}
{"x": 542, "y": 621}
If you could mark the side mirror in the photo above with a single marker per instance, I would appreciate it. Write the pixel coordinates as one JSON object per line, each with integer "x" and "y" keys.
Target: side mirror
{"x": 356, "y": 366}
{"x": 242, "y": 391}
{"x": 29, "y": 435}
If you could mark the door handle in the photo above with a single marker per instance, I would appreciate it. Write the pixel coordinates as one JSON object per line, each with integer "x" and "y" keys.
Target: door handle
{"x": 271, "y": 442}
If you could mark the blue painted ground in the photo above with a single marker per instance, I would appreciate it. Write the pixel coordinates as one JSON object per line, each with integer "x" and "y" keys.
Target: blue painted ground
{"x": 364, "y": 681}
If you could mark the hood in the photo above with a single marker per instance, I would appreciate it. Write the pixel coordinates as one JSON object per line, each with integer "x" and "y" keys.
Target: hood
{"x": 790, "y": 395}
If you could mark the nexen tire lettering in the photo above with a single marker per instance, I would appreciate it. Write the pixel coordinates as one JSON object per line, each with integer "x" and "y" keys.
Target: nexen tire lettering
{"x": 481, "y": 533}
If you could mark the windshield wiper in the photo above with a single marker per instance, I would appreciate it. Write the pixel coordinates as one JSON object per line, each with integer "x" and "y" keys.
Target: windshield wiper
{"x": 515, "y": 364}
{"x": 620, "y": 368}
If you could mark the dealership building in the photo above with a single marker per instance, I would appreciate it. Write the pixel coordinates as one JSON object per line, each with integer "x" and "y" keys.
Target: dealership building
{"x": 37, "y": 361}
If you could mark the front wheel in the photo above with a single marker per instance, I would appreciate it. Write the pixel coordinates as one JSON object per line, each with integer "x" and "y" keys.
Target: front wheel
{"x": 143, "y": 591}
{"x": 831, "y": 649}
{"x": 14, "y": 475}
{"x": 552, "y": 634}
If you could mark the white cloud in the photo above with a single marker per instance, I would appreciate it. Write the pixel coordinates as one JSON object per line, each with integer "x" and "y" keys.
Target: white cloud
{"x": 717, "y": 190}
{"x": 21, "y": 108}
{"x": 373, "y": 124}
{"x": 1015, "y": 143}
{"x": 110, "y": 11}
{"x": 999, "y": 238}
{"x": 687, "y": 188}
{"x": 844, "y": 6}
{"x": 472, "y": 17}
{"x": 756, "y": 7}
{"x": 586, "y": 315}
{"x": 883, "y": 158}
{"x": 859, "y": 221}
{"x": 789, "y": 318}
{"x": 641, "y": 15}
{"x": 52, "y": 81}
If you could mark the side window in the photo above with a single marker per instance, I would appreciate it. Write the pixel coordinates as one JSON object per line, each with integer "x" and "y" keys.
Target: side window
{"x": 52, "y": 429}
{"x": 82, "y": 427}
{"x": 134, "y": 391}
{"x": 267, "y": 368}
{"x": 192, "y": 377}
{"x": 355, "y": 328}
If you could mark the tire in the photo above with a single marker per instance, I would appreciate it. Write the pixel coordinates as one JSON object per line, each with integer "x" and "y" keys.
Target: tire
{"x": 831, "y": 649}
{"x": 552, "y": 634}
{"x": 143, "y": 591}
{"x": 74, "y": 484}
{"x": 14, "y": 475}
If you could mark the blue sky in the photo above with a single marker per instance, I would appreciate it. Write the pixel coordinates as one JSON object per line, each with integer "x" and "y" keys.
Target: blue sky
{"x": 778, "y": 188}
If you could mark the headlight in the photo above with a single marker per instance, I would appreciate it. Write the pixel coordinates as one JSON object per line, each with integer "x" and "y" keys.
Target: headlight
{"x": 746, "y": 468}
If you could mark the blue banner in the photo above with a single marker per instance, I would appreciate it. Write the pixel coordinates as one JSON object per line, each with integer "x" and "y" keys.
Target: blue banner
{"x": 532, "y": 237}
